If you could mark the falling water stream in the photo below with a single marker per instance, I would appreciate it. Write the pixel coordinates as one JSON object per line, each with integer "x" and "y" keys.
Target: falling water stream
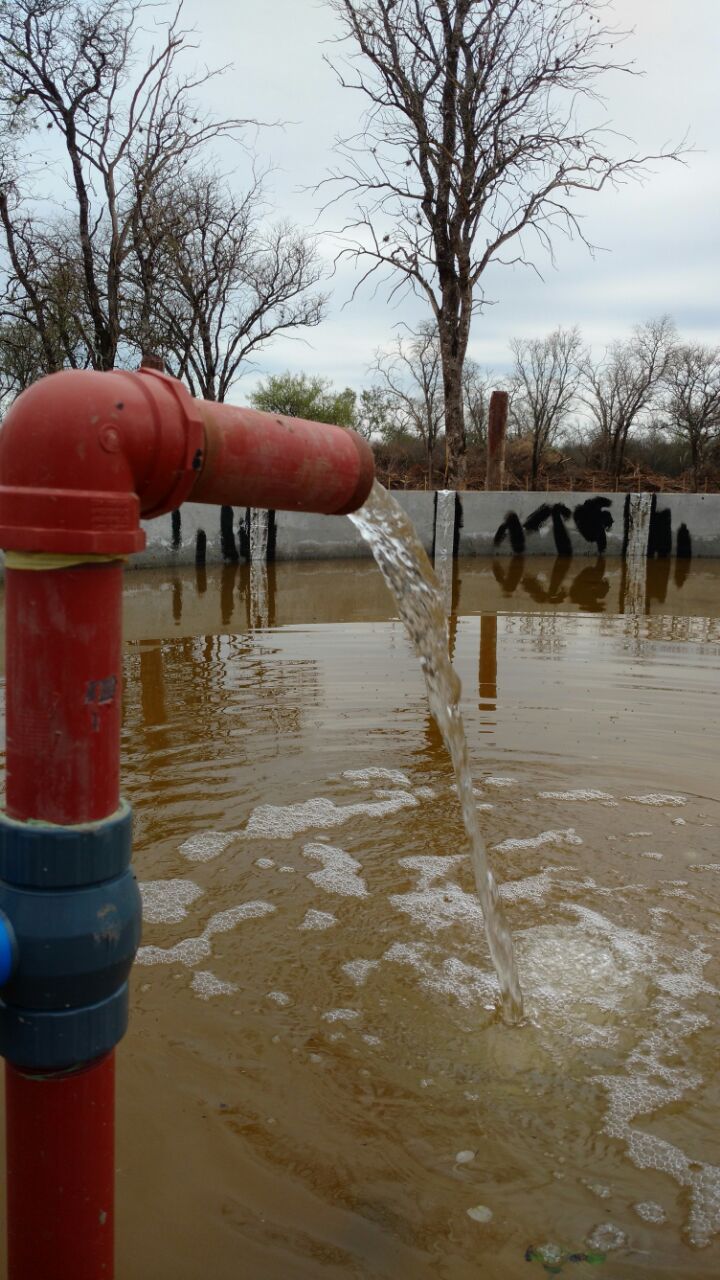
{"x": 409, "y": 575}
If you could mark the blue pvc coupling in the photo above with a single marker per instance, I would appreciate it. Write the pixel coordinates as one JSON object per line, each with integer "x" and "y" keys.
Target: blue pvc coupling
{"x": 7, "y": 949}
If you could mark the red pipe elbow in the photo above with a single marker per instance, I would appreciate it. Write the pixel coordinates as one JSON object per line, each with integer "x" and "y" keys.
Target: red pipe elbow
{"x": 84, "y": 455}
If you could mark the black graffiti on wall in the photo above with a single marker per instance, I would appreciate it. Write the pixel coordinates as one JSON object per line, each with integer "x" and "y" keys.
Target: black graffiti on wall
{"x": 593, "y": 519}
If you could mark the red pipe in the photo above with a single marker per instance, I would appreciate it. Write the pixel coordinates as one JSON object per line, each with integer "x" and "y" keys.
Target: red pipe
{"x": 82, "y": 456}
{"x": 63, "y": 681}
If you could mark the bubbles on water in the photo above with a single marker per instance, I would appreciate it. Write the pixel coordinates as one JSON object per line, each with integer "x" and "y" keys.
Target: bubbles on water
{"x": 279, "y": 997}
{"x": 598, "y": 1189}
{"x": 317, "y": 920}
{"x": 492, "y": 781}
{"x": 190, "y": 950}
{"x": 341, "y": 1015}
{"x": 358, "y": 971}
{"x": 281, "y": 822}
{"x": 557, "y": 838}
{"x": 167, "y": 901}
{"x": 264, "y": 863}
{"x": 649, "y": 1211}
{"x": 581, "y": 793}
{"x": 339, "y": 872}
{"x": 206, "y": 985}
{"x": 650, "y": 853}
{"x": 464, "y": 1157}
{"x": 207, "y": 845}
{"x": 375, "y": 773}
{"x": 445, "y": 975}
{"x": 607, "y": 1237}
{"x": 660, "y": 798}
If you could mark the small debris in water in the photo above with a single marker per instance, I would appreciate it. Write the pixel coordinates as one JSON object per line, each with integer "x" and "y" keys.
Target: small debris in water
{"x": 318, "y": 920}
{"x": 480, "y": 1213}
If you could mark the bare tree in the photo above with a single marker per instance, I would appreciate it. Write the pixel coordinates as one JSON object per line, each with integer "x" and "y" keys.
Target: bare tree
{"x": 691, "y": 406}
{"x": 126, "y": 123}
{"x": 214, "y": 282}
{"x": 410, "y": 382}
{"x": 543, "y": 388}
{"x": 620, "y": 390}
{"x": 472, "y": 139}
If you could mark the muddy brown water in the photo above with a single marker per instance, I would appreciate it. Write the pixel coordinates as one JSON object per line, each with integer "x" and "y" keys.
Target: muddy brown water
{"x": 315, "y": 1083}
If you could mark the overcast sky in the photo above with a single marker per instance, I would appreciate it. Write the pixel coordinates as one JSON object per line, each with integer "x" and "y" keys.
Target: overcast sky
{"x": 661, "y": 241}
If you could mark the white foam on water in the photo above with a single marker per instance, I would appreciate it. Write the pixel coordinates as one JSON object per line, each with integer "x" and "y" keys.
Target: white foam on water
{"x": 358, "y": 971}
{"x": 207, "y": 845}
{"x": 530, "y": 888}
{"x": 373, "y": 774}
{"x": 658, "y": 798}
{"x": 438, "y": 908}
{"x": 191, "y": 950}
{"x": 493, "y": 781}
{"x": 581, "y": 793}
{"x": 640, "y": 833}
{"x": 372, "y": 1040}
{"x": 445, "y": 975}
{"x": 480, "y": 1213}
{"x": 317, "y": 920}
{"x": 167, "y": 901}
{"x": 289, "y": 871}
{"x": 339, "y": 872}
{"x": 281, "y": 822}
{"x": 425, "y": 793}
{"x": 651, "y": 1084}
{"x": 607, "y": 1237}
{"x": 464, "y": 1157}
{"x": 557, "y": 838}
{"x": 650, "y": 853}
{"x": 341, "y": 1015}
{"x": 649, "y": 1211}
{"x": 206, "y": 985}
{"x": 265, "y": 863}
{"x": 279, "y": 997}
{"x": 679, "y": 822}
{"x": 704, "y": 866}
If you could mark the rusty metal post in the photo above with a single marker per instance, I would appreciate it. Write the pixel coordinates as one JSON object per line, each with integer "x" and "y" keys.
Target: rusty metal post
{"x": 497, "y": 425}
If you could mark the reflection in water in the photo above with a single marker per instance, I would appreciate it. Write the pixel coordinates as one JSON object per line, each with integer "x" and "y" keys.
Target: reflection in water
{"x": 587, "y": 589}
{"x": 487, "y": 682}
{"x": 301, "y": 1098}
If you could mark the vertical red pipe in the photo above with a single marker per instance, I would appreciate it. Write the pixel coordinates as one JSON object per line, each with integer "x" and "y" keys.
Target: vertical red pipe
{"x": 63, "y": 664}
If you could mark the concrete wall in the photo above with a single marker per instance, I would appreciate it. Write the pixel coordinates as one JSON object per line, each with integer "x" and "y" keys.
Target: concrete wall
{"x": 679, "y": 524}
{"x": 683, "y": 525}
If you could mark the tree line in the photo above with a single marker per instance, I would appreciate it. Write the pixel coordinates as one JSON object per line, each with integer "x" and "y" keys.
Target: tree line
{"x": 646, "y": 389}
{"x": 121, "y": 235}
